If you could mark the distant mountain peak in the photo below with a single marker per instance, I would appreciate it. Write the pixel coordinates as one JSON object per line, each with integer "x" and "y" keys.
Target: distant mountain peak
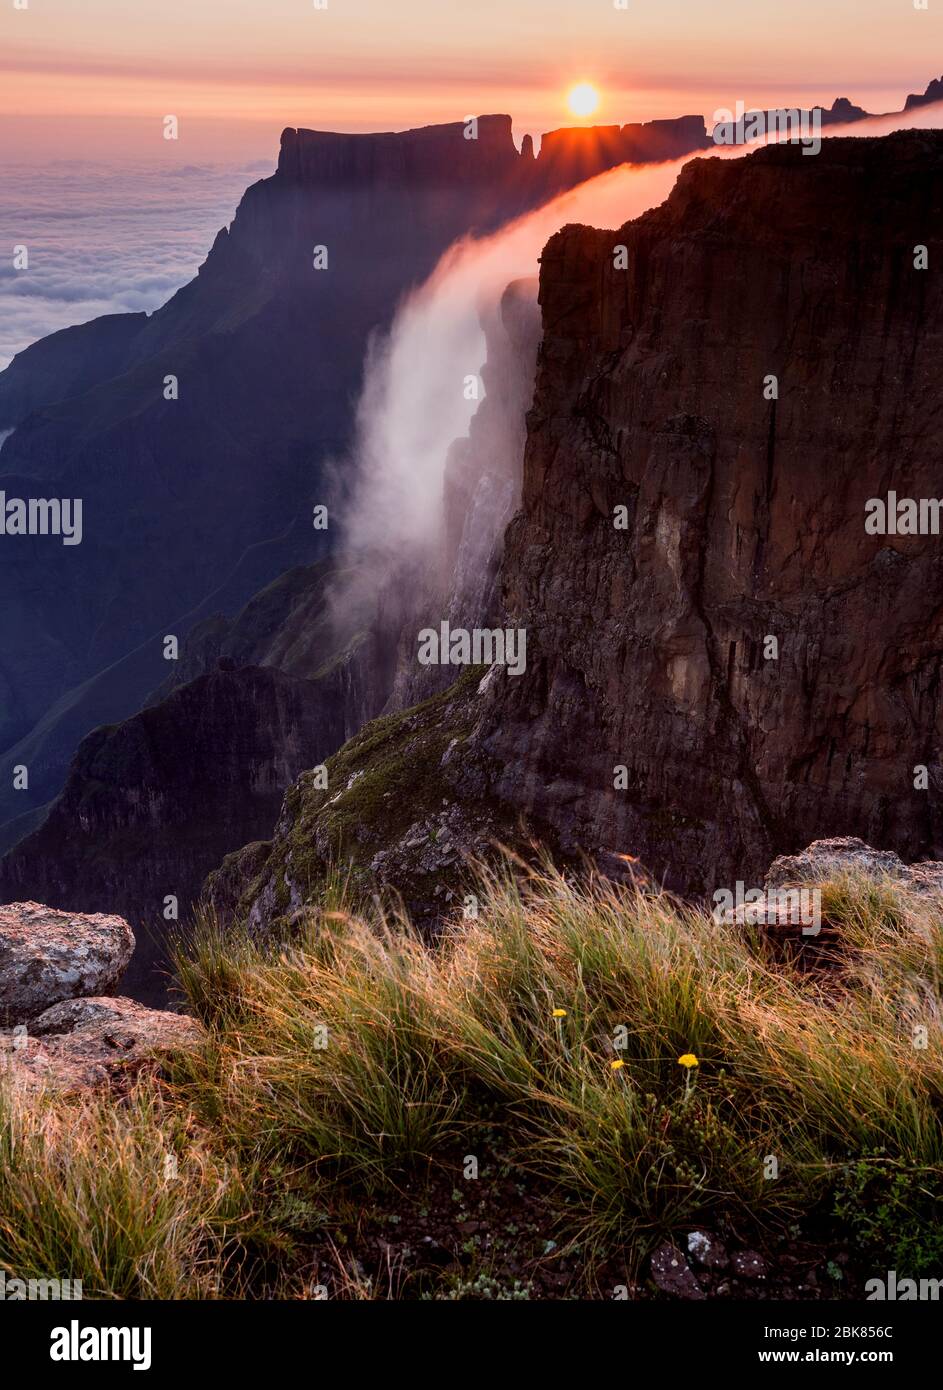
{"x": 933, "y": 93}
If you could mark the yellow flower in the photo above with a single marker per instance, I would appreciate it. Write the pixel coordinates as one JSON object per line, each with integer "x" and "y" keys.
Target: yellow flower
{"x": 616, "y": 1065}
{"x": 687, "y": 1059}
{"x": 559, "y": 1013}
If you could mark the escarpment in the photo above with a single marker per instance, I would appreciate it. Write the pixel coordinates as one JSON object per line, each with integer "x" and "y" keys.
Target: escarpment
{"x": 200, "y": 436}
{"x": 722, "y": 663}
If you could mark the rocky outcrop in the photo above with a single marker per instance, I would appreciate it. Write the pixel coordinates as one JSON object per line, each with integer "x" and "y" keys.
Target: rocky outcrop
{"x": 722, "y": 663}
{"x": 934, "y": 92}
{"x": 841, "y": 112}
{"x": 48, "y": 956}
{"x": 59, "y": 1028}
{"x": 403, "y": 808}
{"x": 829, "y": 859}
{"x": 93, "y": 1043}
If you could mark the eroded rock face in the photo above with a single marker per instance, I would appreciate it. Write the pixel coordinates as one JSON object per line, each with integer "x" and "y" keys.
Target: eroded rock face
{"x": 48, "y": 956}
{"x": 744, "y": 520}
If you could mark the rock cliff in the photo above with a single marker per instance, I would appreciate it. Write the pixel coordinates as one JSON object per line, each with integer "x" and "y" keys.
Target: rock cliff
{"x": 723, "y": 664}
{"x": 744, "y": 520}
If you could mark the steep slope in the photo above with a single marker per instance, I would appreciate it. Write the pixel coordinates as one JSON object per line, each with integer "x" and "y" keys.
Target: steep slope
{"x": 152, "y": 803}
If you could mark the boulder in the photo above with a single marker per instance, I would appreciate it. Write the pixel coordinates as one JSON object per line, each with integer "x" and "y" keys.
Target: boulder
{"x": 47, "y": 956}
{"x": 72, "y": 1014}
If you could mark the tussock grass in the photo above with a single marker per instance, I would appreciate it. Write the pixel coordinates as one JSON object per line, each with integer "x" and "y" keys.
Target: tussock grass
{"x": 89, "y": 1191}
{"x": 350, "y": 1054}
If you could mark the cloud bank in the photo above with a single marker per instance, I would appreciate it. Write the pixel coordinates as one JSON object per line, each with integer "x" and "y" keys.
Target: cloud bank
{"x": 104, "y": 239}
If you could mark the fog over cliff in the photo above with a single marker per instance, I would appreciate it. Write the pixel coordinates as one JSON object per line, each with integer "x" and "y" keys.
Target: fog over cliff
{"x": 416, "y": 402}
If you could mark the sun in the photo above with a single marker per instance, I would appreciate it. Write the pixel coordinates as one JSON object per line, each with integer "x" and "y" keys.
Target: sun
{"x": 582, "y": 99}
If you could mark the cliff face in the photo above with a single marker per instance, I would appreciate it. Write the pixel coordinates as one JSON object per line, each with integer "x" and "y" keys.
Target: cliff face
{"x": 572, "y": 154}
{"x": 648, "y": 647}
{"x": 449, "y": 155}
{"x": 754, "y": 668}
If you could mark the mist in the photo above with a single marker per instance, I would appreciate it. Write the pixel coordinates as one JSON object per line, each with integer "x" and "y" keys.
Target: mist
{"x": 415, "y": 401}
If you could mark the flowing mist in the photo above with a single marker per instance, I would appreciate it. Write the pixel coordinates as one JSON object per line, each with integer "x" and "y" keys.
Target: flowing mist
{"x": 416, "y": 401}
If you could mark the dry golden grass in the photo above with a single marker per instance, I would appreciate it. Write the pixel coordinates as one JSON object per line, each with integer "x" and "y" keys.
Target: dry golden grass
{"x": 354, "y": 1053}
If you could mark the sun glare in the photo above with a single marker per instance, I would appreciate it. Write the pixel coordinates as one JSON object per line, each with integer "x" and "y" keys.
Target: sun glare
{"x": 582, "y": 99}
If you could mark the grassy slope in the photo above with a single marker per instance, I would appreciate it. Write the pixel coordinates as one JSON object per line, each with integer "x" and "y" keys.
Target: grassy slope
{"x": 322, "y": 1135}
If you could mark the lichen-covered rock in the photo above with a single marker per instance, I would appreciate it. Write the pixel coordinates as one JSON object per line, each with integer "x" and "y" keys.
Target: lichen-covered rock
{"x": 84, "y": 1043}
{"x": 707, "y": 1249}
{"x": 824, "y": 859}
{"x": 47, "y": 956}
{"x": 72, "y": 1014}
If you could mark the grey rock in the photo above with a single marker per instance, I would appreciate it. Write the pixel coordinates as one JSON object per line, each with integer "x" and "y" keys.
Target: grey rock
{"x": 96, "y": 1043}
{"x": 72, "y": 1014}
{"x": 47, "y": 956}
{"x": 707, "y": 1249}
{"x": 846, "y": 854}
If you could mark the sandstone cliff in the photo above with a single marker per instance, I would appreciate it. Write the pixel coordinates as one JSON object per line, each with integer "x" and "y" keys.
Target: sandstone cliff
{"x": 745, "y": 519}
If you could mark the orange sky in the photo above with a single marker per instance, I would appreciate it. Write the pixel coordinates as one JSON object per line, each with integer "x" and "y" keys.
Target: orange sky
{"x": 95, "y": 77}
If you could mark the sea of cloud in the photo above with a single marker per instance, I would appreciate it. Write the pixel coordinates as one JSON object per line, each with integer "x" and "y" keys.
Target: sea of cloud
{"x": 105, "y": 238}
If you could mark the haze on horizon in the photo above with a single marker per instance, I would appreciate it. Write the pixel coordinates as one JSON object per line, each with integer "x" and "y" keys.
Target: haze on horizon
{"x": 94, "y": 78}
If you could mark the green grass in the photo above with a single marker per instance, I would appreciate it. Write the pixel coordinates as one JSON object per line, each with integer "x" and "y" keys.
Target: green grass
{"x": 348, "y": 1063}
